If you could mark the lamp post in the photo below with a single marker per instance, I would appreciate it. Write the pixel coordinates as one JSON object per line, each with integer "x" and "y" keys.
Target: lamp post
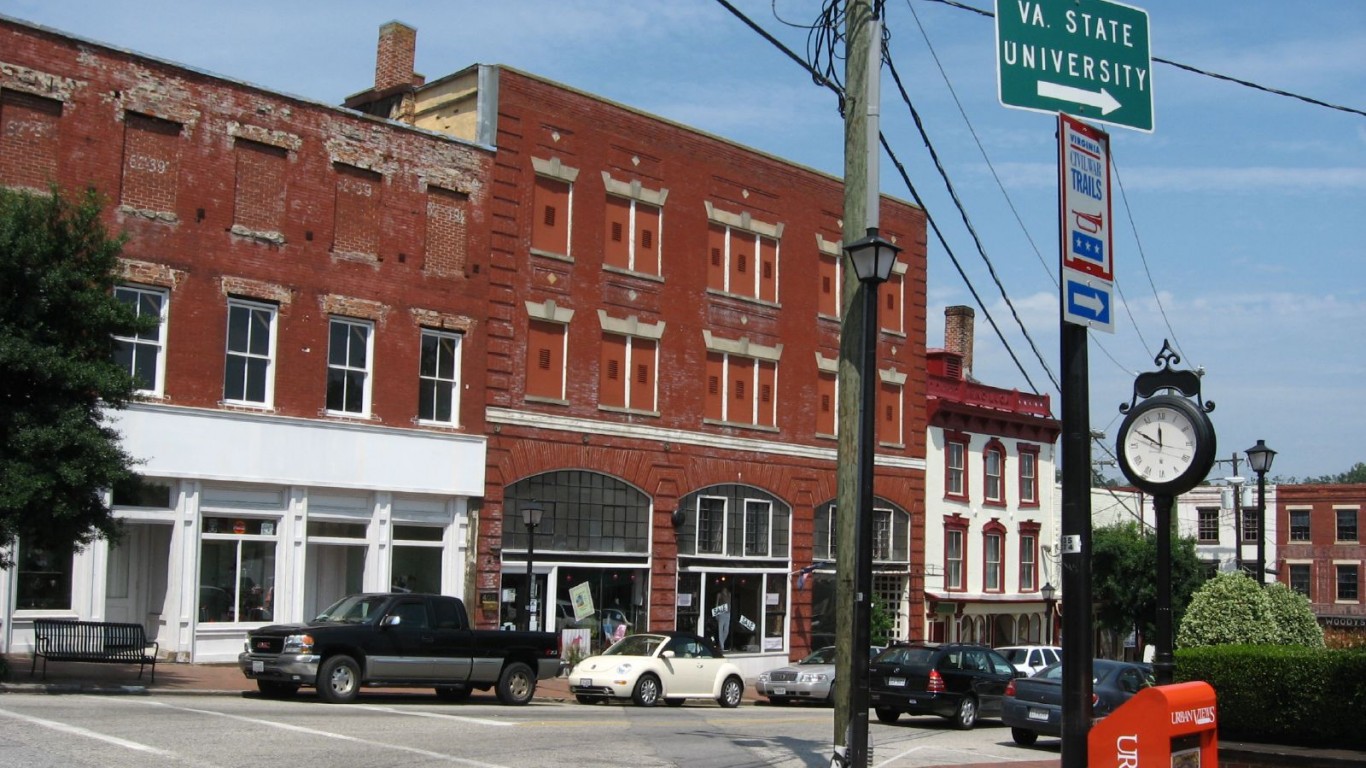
{"x": 1259, "y": 457}
{"x": 531, "y": 518}
{"x": 1050, "y": 594}
{"x": 872, "y": 259}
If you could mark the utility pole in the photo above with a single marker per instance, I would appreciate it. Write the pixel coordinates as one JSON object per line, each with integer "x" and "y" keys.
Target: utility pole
{"x": 1237, "y": 503}
{"x": 863, "y": 46}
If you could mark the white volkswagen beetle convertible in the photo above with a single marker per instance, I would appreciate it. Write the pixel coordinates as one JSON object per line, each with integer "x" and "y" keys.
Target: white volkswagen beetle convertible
{"x": 673, "y": 666}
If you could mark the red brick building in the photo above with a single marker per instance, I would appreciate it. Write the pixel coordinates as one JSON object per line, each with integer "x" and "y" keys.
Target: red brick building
{"x": 314, "y": 417}
{"x": 662, "y": 345}
{"x": 1321, "y": 551}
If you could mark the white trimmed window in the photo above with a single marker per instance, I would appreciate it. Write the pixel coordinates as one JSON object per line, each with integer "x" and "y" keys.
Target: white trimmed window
{"x": 143, "y": 354}
{"x": 249, "y": 373}
{"x": 349, "y": 352}
{"x": 439, "y": 377}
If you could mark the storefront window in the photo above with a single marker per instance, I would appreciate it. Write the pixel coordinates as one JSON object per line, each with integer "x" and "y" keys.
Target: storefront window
{"x": 336, "y": 562}
{"x": 237, "y": 570}
{"x": 743, "y": 612}
{"x": 417, "y": 558}
{"x": 44, "y": 577}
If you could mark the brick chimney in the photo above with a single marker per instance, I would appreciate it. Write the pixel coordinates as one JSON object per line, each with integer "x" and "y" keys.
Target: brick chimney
{"x": 958, "y": 335}
{"x": 396, "y": 56}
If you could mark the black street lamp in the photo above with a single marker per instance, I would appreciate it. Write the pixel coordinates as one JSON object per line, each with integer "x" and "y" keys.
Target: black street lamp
{"x": 872, "y": 259}
{"x": 531, "y": 518}
{"x": 1050, "y": 594}
{"x": 1259, "y": 457}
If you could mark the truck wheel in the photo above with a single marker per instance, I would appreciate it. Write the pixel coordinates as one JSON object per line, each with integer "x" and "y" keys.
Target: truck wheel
{"x": 646, "y": 693}
{"x": 274, "y": 689}
{"x": 454, "y": 692}
{"x": 1023, "y": 736}
{"x": 517, "y": 684}
{"x": 339, "y": 680}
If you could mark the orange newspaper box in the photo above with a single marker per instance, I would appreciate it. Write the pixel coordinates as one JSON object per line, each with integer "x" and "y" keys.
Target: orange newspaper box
{"x": 1166, "y": 725}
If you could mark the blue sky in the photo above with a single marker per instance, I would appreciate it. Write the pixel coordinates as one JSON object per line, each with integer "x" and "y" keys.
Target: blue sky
{"x": 1240, "y": 220}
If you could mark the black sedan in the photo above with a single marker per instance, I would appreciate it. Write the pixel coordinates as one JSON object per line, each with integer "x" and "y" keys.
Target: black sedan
{"x": 957, "y": 681}
{"x": 1033, "y": 705}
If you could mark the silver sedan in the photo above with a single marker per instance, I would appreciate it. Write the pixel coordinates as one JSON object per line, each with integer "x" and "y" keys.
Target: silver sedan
{"x": 811, "y": 679}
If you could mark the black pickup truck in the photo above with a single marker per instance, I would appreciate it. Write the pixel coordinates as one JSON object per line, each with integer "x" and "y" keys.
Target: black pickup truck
{"x": 405, "y": 639}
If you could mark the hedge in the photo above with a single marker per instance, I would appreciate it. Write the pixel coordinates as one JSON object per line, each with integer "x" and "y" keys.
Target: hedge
{"x": 1283, "y": 694}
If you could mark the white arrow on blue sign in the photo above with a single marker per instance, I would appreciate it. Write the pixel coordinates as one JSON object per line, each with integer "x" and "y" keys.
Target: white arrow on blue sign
{"x": 1088, "y": 301}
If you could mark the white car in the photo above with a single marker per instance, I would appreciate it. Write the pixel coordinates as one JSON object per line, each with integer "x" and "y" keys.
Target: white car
{"x": 1030, "y": 658}
{"x": 672, "y": 666}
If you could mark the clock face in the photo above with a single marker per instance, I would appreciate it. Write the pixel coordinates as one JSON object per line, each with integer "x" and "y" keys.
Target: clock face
{"x": 1166, "y": 445}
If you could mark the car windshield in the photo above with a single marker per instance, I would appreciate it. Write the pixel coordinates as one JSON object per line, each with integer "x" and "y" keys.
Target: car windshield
{"x": 823, "y": 656}
{"x": 355, "y": 609}
{"x": 635, "y": 645}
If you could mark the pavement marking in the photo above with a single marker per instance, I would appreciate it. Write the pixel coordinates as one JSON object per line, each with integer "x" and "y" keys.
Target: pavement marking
{"x": 327, "y": 734}
{"x": 435, "y": 715}
{"x": 89, "y": 734}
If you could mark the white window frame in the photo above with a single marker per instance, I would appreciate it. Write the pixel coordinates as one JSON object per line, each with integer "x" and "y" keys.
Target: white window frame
{"x": 720, "y": 549}
{"x": 883, "y": 527}
{"x": 993, "y": 542}
{"x": 754, "y": 510}
{"x": 957, "y": 474}
{"x": 436, "y": 381}
{"x": 953, "y": 559}
{"x": 1029, "y": 544}
{"x": 993, "y": 491}
{"x": 1029, "y": 477}
{"x": 367, "y": 370}
{"x": 139, "y": 343}
{"x": 273, "y": 313}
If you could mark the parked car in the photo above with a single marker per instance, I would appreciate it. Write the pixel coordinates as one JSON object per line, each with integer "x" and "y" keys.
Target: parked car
{"x": 958, "y": 681}
{"x": 1033, "y": 706}
{"x": 647, "y": 668}
{"x": 1031, "y": 658}
{"x": 811, "y": 679}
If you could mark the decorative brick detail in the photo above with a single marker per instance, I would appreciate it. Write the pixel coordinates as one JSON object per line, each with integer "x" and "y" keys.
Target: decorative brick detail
{"x": 349, "y": 306}
{"x": 257, "y": 289}
{"x": 148, "y": 273}
{"x": 16, "y": 77}
{"x": 445, "y": 321}
{"x": 281, "y": 139}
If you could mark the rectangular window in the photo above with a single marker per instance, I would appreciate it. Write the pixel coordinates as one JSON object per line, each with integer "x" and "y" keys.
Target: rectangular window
{"x": 711, "y": 525}
{"x": 1347, "y": 524}
{"x": 44, "y": 578}
{"x": 151, "y": 163}
{"x": 447, "y": 233}
{"x": 828, "y": 276}
{"x": 143, "y": 355}
{"x": 955, "y": 469}
{"x": 826, "y": 393}
{"x": 994, "y": 564}
{"x": 882, "y": 535}
{"x": 741, "y": 390}
{"x": 348, "y": 366}
{"x": 356, "y": 212}
{"x": 1029, "y": 547}
{"x": 768, "y": 269}
{"x": 953, "y": 559}
{"x": 550, "y": 216}
{"x": 1347, "y": 583}
{"x": 1208, "y": 526}
{"x": 1299, "y": 525}
{"x": 992, "y": 481}
{"x": 1250, "y": 525}
{"x": 742, "y": 263}
{"x": 237, "y": 569}
{"x": 29, "y": 144}
{"x": 1029, "y": 478}
{"x": 439, "y": 377}
{"x": 626, "y": 376}
{"x": 890, "y": 318}
{"x": 259, "y": 200}
{"x": 889, "y": 415}
{"x": 546, "y": 351}
{"x": 249, "y": 372}
{"x": 1300, "y": 579}
{"x": 757, "y": 514}
{"x": 631, "y": 237}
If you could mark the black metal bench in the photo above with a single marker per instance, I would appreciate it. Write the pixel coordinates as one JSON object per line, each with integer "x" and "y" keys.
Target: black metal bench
{"x": 103, "y": 642}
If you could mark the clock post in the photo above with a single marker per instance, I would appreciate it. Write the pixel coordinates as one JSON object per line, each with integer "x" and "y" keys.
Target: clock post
{"x": 1166, "y": 447}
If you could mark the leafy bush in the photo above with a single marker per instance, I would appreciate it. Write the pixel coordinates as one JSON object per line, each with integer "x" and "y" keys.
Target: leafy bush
{"x": 1230, "y": 608}
{"x": 1295, "y": 621}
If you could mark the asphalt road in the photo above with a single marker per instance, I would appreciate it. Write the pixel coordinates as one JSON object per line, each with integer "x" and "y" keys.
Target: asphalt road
{"x": 156, "y": 731}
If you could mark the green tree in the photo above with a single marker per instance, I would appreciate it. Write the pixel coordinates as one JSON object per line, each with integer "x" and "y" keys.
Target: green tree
{"x": 1231, "y": 609}
{"x": 57, "y": 318}
{"x": 1124, "y": 577}
{"x": 1295, "y": 621}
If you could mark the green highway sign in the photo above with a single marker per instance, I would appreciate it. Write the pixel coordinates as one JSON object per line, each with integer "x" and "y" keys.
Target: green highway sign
{"x": 1087, "y": 58}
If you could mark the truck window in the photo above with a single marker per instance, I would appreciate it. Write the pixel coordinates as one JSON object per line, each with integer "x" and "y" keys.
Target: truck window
{"x": 411, "y": 615}
{"x": 447, "y": 614}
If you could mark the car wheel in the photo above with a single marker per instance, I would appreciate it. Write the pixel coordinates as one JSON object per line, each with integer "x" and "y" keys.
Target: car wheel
{"x": 516, "y": 685}
{"x": 646, "y": 692}
{"x": 966, "y": 716}
{"x": 1024, "y": 737}
{"x": 887, "y": 715}
{"x": 732, "y": 690}
{"x": 585, "y": 699}
{"x": 274, "y": 689}
{"x": 675, "y": 702}
{"x": 339, "y": 680}
{"x": 454, "y": 692}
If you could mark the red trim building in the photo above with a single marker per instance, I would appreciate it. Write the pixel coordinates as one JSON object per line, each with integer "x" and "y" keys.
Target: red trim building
{"x": 1321, "y": 552}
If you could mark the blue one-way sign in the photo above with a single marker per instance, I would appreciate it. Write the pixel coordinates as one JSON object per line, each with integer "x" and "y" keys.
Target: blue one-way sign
{"x": 1087, "y": 301}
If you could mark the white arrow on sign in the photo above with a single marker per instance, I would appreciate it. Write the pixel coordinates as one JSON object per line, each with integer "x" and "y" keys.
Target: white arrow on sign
{"x": 1102, "y": 101}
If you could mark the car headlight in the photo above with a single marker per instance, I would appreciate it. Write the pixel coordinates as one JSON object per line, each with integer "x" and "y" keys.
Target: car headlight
{"x": 812, "y": 677}
{"x": 623, "y": 669}
{"x": 298, "y": 644}
{"x": 763, "y": 677}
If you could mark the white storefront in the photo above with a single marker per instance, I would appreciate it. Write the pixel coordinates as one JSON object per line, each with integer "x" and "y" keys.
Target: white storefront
{"x": 248, "y": 519}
